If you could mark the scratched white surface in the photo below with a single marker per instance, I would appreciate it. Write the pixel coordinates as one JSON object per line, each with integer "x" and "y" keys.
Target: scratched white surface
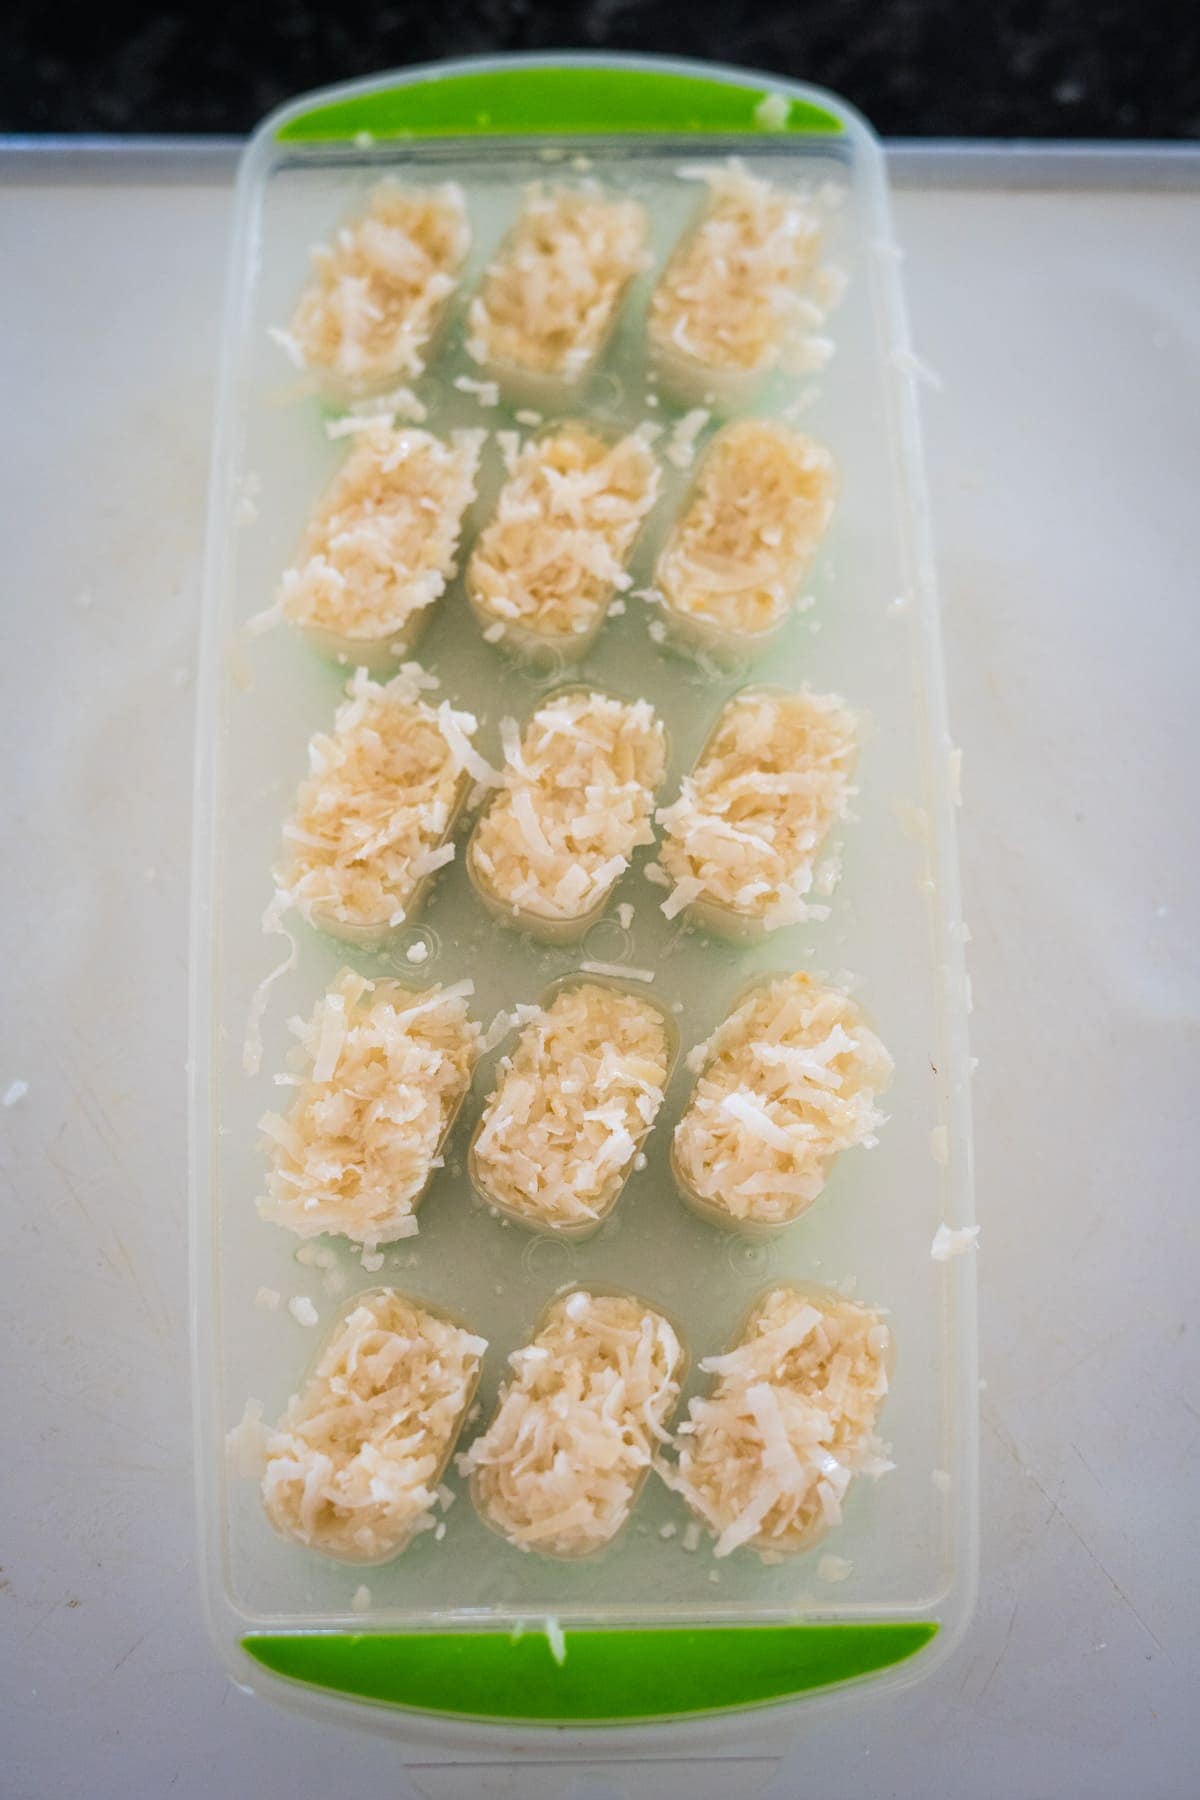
{"x": 1063, "y": 455}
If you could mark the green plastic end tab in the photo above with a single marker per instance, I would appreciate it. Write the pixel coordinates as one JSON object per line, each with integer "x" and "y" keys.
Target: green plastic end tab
{"x": 569, "y": 100}
{"x": 604, "y": 1678}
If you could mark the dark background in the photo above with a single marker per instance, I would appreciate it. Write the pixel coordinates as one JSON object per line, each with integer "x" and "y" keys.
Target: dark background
{"x": 1013, "y": 68}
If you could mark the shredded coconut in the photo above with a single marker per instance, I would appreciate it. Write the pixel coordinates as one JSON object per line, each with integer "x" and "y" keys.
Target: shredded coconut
{"x": 273, "y": 926}
{"x": 553, "y": 556}
{"x": 560, "y": 1466}
{"x": 379, "y": 1074}
{"x": 456, "y": 728}
{"x": 555, "y": 840}
{"x": 354, "y": 1464}
{"x": 772, "y": 111}
{"x": 735, "y": 559}
{"x": 314, "y": 1256}
{"x": 392, "y": 403}
{"x": 910, "y": 364}
{"x": 486, "y": 392}
{"x": 376, "y": 810}
{"x": 572, "y": 1107}
{"x": 788, "y": 1081}
{"x": 267, "y": 1299}
{"x": 834, "y": 1568}
{"x": 738, "y": 284}
{"x": 681, "y": 450}
{"x": 503, "y": 1023}
{"x": 246, "y": 1442}
{"x": 771, "y": 1451}
{"x": 621, "y": 971}
{"x": 16, "y": 1090}
{"x": 751, "y": 818}
{"x": 303, "y": 1310}
{"x": 948, "y": 1242}
{"x": 379, "y": 290}
{"x": 550, "y": 298}
{"x": 381, "y": 545}
{"x": 350, "y": 424}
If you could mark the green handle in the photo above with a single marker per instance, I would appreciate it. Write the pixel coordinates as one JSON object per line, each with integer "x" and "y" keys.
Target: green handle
{"x": 569, "y": 99}
{"x": 605, "y": 1677}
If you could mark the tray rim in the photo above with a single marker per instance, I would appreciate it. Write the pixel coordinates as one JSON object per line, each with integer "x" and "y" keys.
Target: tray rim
{"x": 989, "y": 165}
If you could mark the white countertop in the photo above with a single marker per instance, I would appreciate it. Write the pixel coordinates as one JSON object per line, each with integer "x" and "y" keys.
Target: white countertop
{"x": 1063, "y": 452}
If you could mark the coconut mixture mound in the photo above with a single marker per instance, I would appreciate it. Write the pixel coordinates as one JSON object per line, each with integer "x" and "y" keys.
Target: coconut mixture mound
{"x": 371, "y": 820}
{"x": 572, "y": 1106}
{"x": 762, "y": 499}
{"x": 381, "y": 544}
{"x": 550, "y": 561}
{"x": 767, "y": 1456}
{"x": 785, "y": 1084}
{"x": 378, "y": 1074}
{"x": 576, "y": 801}
{"x": 576, "y": 1426}
{"x": 734, "y": 287}
{"x": 379, "y": 291}
{"x": 750, "y": 820}
{"x": 353, "y": 1466}
{"x": 550, "y": 298}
